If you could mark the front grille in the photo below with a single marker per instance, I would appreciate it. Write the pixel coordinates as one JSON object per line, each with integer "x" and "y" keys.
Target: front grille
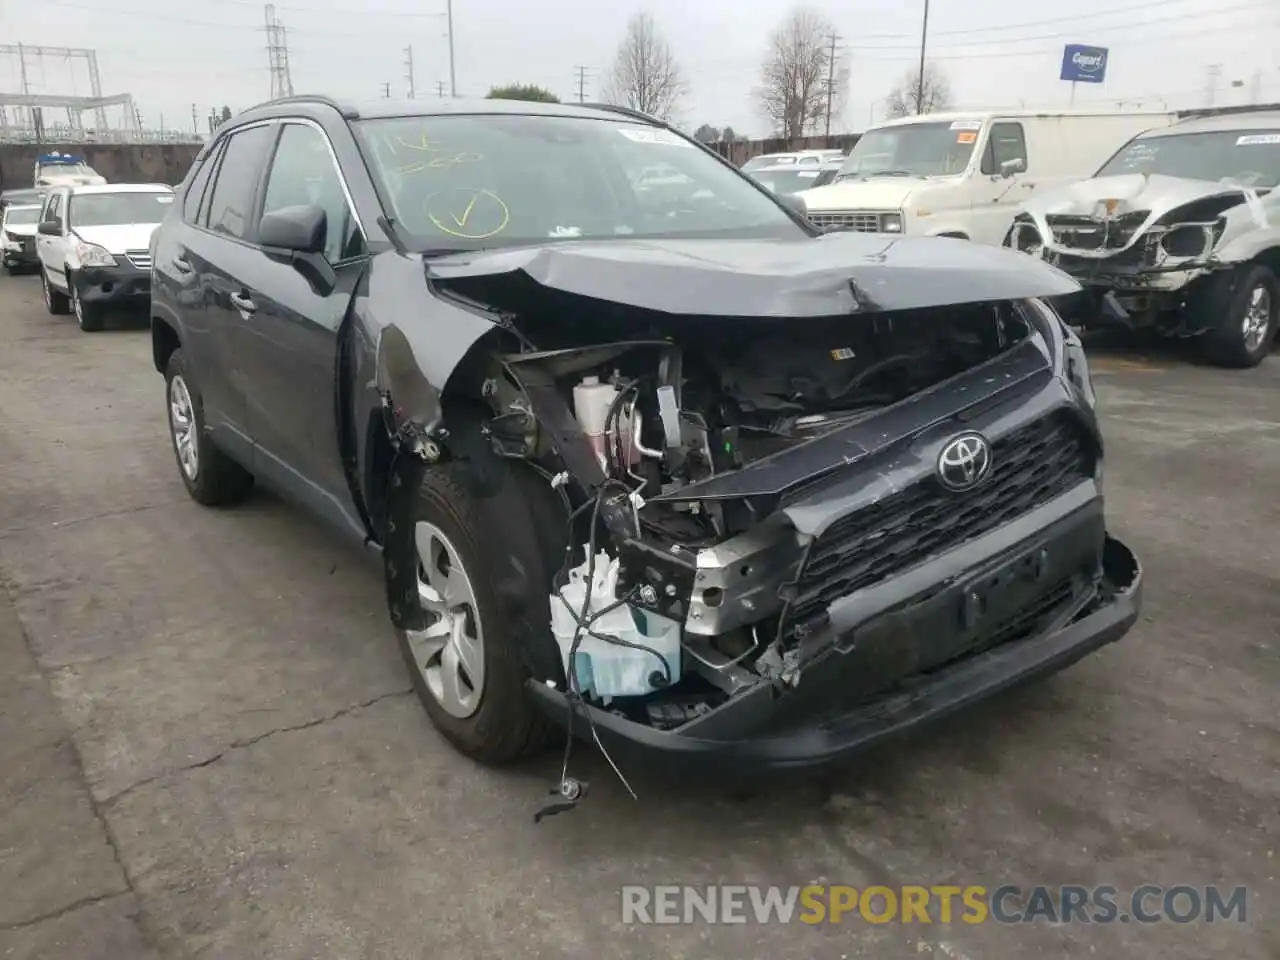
{"x": 139, "y": 258}
{"x": 861, "y": 222}
{"x": 1030, "y": 466}
{"x": 1088, "y": 233}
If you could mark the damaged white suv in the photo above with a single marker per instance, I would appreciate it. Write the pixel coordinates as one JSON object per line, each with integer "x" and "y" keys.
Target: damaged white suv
{"x": 1179, "y": 232}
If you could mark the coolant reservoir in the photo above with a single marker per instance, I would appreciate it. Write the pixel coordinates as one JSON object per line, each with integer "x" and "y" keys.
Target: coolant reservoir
{"x": 603, "y": 669}
{"x": 591, "y": 402}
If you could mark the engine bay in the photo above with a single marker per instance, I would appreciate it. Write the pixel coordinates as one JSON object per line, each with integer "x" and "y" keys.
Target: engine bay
{"x": 629, "y": 430}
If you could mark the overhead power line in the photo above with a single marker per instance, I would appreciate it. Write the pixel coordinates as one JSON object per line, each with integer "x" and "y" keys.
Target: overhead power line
{"x": 1259, "y": 6}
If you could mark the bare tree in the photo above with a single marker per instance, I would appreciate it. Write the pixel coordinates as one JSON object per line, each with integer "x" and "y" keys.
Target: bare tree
{"x": 798, "y": 74}
{"x": 645, "y": 75}
{"x": 911, "y": 97}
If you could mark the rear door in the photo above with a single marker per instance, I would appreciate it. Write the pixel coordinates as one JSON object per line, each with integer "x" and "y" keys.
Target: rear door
{"x": 218, "y": 251}
{"x": 290, "y": 342}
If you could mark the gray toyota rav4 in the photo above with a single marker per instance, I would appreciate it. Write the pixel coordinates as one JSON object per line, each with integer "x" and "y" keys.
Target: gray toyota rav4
{"x": 670, "y": 468}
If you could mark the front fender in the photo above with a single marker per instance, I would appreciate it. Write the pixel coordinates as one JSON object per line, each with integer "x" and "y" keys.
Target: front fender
{"x": 1248, "y": 246}
{"x": 419, "y": 337}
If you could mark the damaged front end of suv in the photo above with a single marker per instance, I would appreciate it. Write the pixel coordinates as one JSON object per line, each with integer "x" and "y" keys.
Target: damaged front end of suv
{"x": 1191, "y": 252}
{"x": 815, "y": 493}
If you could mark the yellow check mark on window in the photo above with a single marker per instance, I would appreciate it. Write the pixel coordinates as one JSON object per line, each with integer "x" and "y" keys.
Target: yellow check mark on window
{"x": 466, "y": 214}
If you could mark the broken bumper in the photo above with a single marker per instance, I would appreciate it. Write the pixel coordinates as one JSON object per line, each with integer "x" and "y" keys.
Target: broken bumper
{"x": 824, "y": 718}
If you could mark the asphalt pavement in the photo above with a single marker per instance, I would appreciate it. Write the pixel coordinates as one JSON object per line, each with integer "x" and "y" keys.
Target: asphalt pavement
{"x": 208, "y": 746}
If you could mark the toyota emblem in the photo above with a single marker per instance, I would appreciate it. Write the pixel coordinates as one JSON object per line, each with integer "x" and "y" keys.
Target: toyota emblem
{"x": 964, "y": 462}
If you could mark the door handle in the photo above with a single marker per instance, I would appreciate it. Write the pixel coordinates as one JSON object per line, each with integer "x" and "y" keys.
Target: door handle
{"x": 181, "y": 265}
{"x": 243, "y": 303}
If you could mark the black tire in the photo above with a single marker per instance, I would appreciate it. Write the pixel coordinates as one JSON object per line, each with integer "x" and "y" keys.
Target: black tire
{"x": 11, "y": 269}
{"x": 90, "y": 316}
{"x": 216, "y": 479}
{"x": 1223, "y": 303}
{"x": 489, "y": 522}
{"x": 55, "y": 301}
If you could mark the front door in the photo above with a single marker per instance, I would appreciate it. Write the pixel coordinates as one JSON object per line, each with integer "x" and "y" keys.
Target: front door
{"x": 998, "y": 197}
{"x": 290, "y": 339}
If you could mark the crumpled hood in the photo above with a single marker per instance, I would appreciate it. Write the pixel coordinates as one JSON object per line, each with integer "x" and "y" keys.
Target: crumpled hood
{"x": 876, "y": 193}
{"x": 119, "y": 238}
{"x": 1156, "y": 192}
{"x": 829, "y": 275}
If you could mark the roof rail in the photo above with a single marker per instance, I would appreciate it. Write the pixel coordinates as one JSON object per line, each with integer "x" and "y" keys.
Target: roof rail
{"x": 1226, "y": 111}
{"x": 626, "y": 112}
{"x": 348, "y": 112}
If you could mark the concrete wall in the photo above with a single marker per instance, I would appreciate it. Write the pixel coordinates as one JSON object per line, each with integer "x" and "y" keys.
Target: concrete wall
{"x": 118, "y": 162}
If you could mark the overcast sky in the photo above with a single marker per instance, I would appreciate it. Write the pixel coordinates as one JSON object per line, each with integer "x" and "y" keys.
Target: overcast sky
{"x": 172, "y": 53}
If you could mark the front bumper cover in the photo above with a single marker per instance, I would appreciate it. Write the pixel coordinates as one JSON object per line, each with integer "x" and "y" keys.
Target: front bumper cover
{"x": 824, "y": 719}
{"x": 122, "y": 284}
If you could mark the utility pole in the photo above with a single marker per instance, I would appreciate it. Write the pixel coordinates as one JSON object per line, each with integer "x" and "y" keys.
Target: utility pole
{"x": 386, "y": 90}
{"x": 1213, "y": 73}
{"x": 924, "y": 36}
{"x": 831, "y": 76}
{"x": 582, "y": 84}
{"x": 440, "y": 88}
{"x": 277, "y": 54}
{"x": 453, "y": 78}
{"x": 408, "y": 64}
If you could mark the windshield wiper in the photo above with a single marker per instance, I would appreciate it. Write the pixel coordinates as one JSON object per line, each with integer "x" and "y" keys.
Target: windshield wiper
{"x": 892, "y": 173}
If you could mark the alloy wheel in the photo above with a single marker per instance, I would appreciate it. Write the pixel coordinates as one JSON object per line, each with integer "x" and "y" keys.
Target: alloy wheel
{"x": 449, "y": 652}
{"x": 76, "y": 305}
{"x": 1257, "y": 317}
{"x": 182, "y": 422}
{"x": 48, "y": 293}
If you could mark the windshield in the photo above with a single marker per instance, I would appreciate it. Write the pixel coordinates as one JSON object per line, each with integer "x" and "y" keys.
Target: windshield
{"x": 767, "y": 160}
{"x": 474, "y": 182}
{"x": 15, "y": 215}
{"x": 66, "y": 170}
{"x": 914, "y": 150}
{"x": 792, "y": 180}
{"x": 108, "y": 209}
{"x": 1250, "y": 158}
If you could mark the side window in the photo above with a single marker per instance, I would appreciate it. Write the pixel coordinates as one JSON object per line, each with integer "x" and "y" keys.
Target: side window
{"x": 54, "y": 210}
{"x": 303, "y": 173}
{"x": 191, "y": 199}
{"x": 234, "y": 191}
{"x": 1007, "y": 142}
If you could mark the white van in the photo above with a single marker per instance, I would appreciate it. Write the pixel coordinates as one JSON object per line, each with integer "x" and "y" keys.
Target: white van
{"x": 967, "y": 174}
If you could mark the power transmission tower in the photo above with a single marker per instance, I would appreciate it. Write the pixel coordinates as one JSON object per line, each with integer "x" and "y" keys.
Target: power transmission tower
{"x": 582, "y": 84}
{"x": 1213, "y": 73}
{"x": 408, "y": 66}
{"x": 1255, "y": 87}
{"x": 831, "y": 76}
{"x": 195, "y": 120}
{"x": 440, "y": 88}
{"x": 277, "y": 54}
{"x": 386, "y": 90}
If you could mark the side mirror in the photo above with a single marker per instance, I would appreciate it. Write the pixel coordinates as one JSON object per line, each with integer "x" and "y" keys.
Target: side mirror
{"x": 49, "y": 228}
{"x": 299, "y": 229}
{"x": 1010, "y": 167}
{"x": 296, "y": 235}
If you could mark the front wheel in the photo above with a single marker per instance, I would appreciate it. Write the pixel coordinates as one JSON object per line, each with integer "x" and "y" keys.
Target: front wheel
{"x": 54, "y": 301}
{"x": 89, "y": 315}
{"x": 481, "y": 575}
{"x": 1245, "y": 306}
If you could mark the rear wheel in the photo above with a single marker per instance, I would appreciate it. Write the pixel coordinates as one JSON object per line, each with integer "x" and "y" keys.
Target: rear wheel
{"x": 210, "y": 476}
{"x": 1243, "y": 308}
{"x": 54, "y": 301}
